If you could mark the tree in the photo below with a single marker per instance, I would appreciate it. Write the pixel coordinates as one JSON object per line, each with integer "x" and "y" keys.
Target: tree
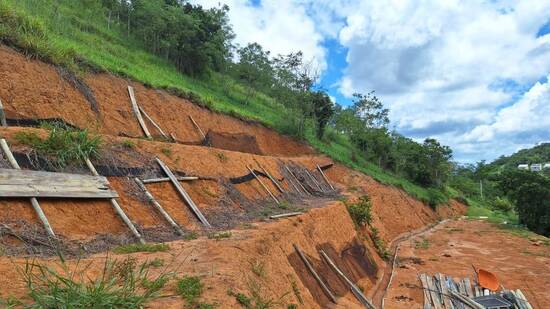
{"x": 370, "y": 110}
{"x": 323, "y": 110}
{"x": 254, "y": 68}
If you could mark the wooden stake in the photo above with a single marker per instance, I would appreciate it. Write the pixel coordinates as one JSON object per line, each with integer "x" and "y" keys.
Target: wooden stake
{"x": 289, "y": 179}
{"x": 198, "y": 128}
{"x": 444, "y": 291}
{"x": 153, "y": 122}
{"x": 325, "y": 177}
{"x": 290, "y": 214}
{"x": 183, "y": 193}
{"x": 431, "y": 286}
{"x": 263, "y": 185}
{"x": 157, "y": 205}
{"x": 297, "y": 180}
{"x": 173, "y": 137}
{"x": 425, "y": 288}
{"x": 34, "y": 201}
{"x": 165, "y": 179}
{"x": 324, "y": 287}
{"x": 272, "y": 179}
{"x": 314, "y": 180}
{"x": 137, "y": 112}
{"x": 2, "y": 115}
{"x": 354, "y": 289}
{"x": 117, "y": 207}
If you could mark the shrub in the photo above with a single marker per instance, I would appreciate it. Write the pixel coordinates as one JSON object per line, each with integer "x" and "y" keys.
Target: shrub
{"x": 501, "y": 204}
{"x": 190, "y": 289}
{"x": 132, "y": 248}
{"x": 435, "y": 198}
{"x": 220, "y": 235}
{"x": 360, "y": 212}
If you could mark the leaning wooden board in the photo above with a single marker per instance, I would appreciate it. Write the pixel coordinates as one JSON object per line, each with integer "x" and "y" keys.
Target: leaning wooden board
{"x": 26, "y": 183}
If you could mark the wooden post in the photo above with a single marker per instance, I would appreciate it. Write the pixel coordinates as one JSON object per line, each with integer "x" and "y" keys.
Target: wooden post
{"x": 290, "y": 214}
{"x": 354, "y": 289}
{"x": 297, "y": 180}
{"x": 314, "y": 180}
{"x": 263, "y": 185}
{"x": 198, "y": 128}
{"x": 325, "y": 177}
{"x": 117, "y": 207}
{"x": 444, "y": 291}
{"x": 34, "y": 201}
{"x": 135, "y": 108}
{"x": 165, "y": 179}
{"x": 173, "y": 137}
{"x": 433, "y": 292}
{"x": 183, "y": 193}
{"x": 152, "y": 200}
{"x": 324, "y": 287}
{"x": 289, "y": 179}
{"x": 425, "y": 289}
{"x": 271, "y": 178}
{"x": 2, "y": 115}
{"x": 153, "y": 122}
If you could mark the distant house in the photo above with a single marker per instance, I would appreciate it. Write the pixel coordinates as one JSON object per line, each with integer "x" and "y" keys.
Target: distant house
{"x": 536, "y": 167}
{"x": 523, "y": 167}
{"x": 546, "y": 166}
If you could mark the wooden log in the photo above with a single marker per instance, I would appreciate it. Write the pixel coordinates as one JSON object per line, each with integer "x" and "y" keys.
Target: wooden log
{"x": 444, "y": 291}
{"x": 524, "y": 299}
{"x": 519, "y": 303}
{"x": 54, "y": 192}
{"x": 354, "y": 289}
{"x": 3, "y": 121}
{"x": 466, "y": 301}
{"x": 184, "y": 193}
{"x": 468, "y": 286}
{"x": 433, "y": 292}
{"x": 173, "y": 137}
{"x": 34, "y": 201}
{"x": 291, "y": 182}
{"x": 425, "y": 289}
{"x": 325, "y": 177}
{"x": 461, "y": 287}
{"x": 297, "y": 180}
{"x": 157, "y": 205}
{"x": 273, "y": 180}
{"x": 453, "y": 287}
{"x": 263, "y": 185}
{"x": 120, "y": 212}
{"x": 198, "y": 128}
{"x": 310, "y": 268}
{"x": 153, "y": 122}
{"x": 314, "y": 180}
{"x": 290, "y": 214}
{"x": 135, "y": 108}
{"x": 165, "y": 179}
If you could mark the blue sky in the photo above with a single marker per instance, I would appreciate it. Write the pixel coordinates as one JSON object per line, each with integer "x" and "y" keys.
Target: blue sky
{"x": 471, "y": 73}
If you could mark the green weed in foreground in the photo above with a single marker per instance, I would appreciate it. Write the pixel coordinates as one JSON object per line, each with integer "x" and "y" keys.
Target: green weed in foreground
{"x": 360, "y": 212}
{"x": 132, "y": 248}
{"x": 190, "y": 289}
{"x": 121, "y": 284}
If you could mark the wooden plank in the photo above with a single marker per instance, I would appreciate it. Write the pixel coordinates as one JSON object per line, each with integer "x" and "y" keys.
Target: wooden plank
{"x": 310, "y": 268}
{"x": 433, "y": 292}
{"x": 3, "y": 122}
{"x": 198, "y": 128}
{"x": 314, "y": 180}
{"x": 325, "y": 177}
{"x": 263, "y": 185}
{"x": 173, "y": 137}
{"x": 271, "y": 178}
{"x": 289, "y": 180}
{"x": 297, "y": 180}
{"x": 468, "y": 286}
{"x": 34, "y": 201}
{"x": 13, "y": 176}
{"x": 524, "y": 299}
{"x": 444, "y": 291}
{"x": 135, "y": 108}
{"x": 354, "y": 289}
{"x": 465, "y": 300}
{"x": 183, "y": 193}
{"x": 52, "y": 192}
{"x": 153, "y": 122}
{"x": 120, "y": 212}
{"x": 165, "y": 179}
{"x": 159, "y": 207}
{"x": 290, "y": 214}
{"x": 461, "y": 287}
{"x": 425, "y": 289}
{"x": 452, "y": 287}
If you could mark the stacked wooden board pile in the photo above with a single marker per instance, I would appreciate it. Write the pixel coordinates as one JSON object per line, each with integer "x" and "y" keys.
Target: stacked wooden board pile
{"x": 445, "y": 292}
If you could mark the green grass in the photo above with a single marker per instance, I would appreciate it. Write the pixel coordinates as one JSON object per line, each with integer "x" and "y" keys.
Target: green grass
{"x": 190, "y": 289}
{"x": 219, "y": 235}
{"x": 71, "y": 33}
{"x": 132, "y": 248}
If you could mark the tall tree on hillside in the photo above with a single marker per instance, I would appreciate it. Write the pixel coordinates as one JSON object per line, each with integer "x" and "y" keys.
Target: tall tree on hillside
{"x": 323, "y": 109}
{"x": 370, "y": 110}
{"x": 254, "y": 68}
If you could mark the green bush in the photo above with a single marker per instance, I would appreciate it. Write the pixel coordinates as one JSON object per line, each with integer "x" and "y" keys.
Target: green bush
{"x": 190, "y": 288}
{"x": 501, "y": 204}
{"x": 435, "y": 198}
{"x": 360, "y": 212}
{"x": 132, "y": 248}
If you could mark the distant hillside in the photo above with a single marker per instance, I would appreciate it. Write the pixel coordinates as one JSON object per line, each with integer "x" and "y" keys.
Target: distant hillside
{"x": 537, "y": 154}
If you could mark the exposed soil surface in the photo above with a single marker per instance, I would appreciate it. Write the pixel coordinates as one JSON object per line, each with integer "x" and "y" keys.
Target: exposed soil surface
{"x": 452, "y": 248}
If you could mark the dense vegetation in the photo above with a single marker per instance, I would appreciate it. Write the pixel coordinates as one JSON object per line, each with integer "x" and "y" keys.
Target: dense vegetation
{"x": 189, "y": 51}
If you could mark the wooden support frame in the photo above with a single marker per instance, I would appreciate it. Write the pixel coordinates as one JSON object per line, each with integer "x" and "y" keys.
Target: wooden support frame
{"x": 297, "y": 180}
{"x": 117, "y": 207}
{"x": 433, "y": 293}
{"x": 354, "y": 289}
{"x": 425, "y": 289}
{"x": 3, "y": 121}
{"x": 34, "y": 202}
{"x": 183, "y": 193}
{"x": 310, "y": 268}
{"x": 314, "y": 180}
{"x": 273, "y": 180}
{"x": 153, "y": 122}
{"x": 263, "y": 185}
{"x": 166, "y": 179}
{"x": 135, "y": 108}
{"x": 157, "y": 205}
{"x": 444, "y": 291}
{"x": 325, "y": 177}
{"x": 198, "y": 128}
